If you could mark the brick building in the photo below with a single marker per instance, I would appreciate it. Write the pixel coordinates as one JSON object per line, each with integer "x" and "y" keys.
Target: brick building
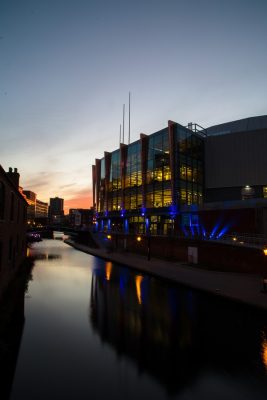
{"x": 13, "y": 221}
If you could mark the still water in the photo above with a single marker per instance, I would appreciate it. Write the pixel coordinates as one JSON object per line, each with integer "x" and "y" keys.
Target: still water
{"x": 96, "y": 330}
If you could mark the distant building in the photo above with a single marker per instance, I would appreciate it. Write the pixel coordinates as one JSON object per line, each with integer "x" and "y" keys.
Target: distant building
{"x": 56, "y": 210}
{"x": 80, "y": 217}
{"x": 37, "y": 209}
{"x": 13, "y": 222}
{"x": 31, "y": 200}
{"x": 41, "y": 210}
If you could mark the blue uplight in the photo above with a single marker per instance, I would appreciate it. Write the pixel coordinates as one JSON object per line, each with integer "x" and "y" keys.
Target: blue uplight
{"x": 215, "y": 229}
{"x": 126, "y": 226}
{"x": 203, "y": 231}
{"x": 173, "y": 211}
{"x": 224, "y": 230}
{"x": 184, "y": 231}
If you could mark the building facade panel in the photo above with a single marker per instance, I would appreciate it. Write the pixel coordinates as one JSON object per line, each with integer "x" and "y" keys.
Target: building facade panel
{"x": 236, "y": 159}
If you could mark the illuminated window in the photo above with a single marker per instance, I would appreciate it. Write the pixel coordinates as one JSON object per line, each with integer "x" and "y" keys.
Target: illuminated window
{"x": 149, "y": 200}
{"x": 183, "y": 196}
{"x": 158, "y": 198}
{"x": 194, "y": 174}
{"x": 189, "y": 173}
{"x": 167, "y": 198}
{"x": 183, "y": 171}
{"x": 189, "y": 197}
{"x": 166, "y": 173}
{"x": 264, "y": 189}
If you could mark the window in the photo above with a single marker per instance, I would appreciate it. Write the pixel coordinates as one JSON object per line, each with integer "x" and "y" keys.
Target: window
{"x": 10, "y": 248}
{"x": 18, "y": 214}
{"x": 12, "y": 207}
{"x": 2, "y": 200}
{"x": 1, "y": 246}
{"x": 264, "y": 189}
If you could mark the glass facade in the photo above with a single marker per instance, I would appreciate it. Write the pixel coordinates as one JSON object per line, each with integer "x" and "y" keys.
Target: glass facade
{"x": 133, "y": 178}
{"x": 114, "y": 186}
{"x": 158, "y": 176}
{"x": 190, "y": 156}
{"x": 146, "y": 180}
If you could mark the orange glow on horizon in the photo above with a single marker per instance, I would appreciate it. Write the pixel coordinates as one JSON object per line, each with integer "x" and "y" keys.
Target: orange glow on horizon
{"x": 78, "y": 202}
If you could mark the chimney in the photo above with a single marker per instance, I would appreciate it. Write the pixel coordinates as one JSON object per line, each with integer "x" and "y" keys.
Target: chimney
{"x": 14, "y": 176}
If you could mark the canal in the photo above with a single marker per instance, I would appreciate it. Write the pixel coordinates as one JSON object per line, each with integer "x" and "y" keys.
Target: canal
{"x": 97, "y": 330}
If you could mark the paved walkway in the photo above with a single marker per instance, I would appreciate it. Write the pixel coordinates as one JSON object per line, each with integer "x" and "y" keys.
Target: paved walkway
{"x": 246, "y": 288}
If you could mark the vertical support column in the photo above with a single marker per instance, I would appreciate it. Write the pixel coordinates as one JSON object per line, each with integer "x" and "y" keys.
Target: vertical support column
{"x": 97, "y": 178}
{"x": 173, "y": 163}
{"x": 124, "y": 152}
{"x": 107, "y": 176}
{"x": 94, "y": 186}
{"x": 144, "y": 156}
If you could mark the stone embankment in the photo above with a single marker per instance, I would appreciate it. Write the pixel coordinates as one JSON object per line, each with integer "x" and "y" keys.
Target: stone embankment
{"x": 243, "y": 287}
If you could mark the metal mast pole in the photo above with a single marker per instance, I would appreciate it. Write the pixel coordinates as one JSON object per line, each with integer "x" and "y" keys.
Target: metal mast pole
{"x": 123, "y": 113}
{"x": 129, "y": 137}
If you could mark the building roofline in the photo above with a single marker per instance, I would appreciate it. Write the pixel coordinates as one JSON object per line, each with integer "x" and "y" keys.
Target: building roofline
{"x": 12, "y": 183}
{"x": 240, "y": 125}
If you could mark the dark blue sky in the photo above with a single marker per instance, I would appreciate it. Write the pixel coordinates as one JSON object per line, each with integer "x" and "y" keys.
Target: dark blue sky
{"x": 66, "y": 68}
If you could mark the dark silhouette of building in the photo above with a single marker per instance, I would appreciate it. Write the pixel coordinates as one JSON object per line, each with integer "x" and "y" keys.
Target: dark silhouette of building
{"x": 13, "y": 221}
{"x": 56, "y": 210}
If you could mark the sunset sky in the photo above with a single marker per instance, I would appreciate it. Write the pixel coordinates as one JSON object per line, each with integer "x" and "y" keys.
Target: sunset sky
{"x": 66, "y": 67}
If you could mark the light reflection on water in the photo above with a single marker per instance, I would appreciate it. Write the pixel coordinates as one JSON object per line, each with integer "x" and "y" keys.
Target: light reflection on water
{"x": 95, "y": 329}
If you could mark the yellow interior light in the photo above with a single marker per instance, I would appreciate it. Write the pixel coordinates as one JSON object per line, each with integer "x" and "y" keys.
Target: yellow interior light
{"x": 265, "y": 251}
{"x": 109, "y": 237}
{"x": 138, "y": 238}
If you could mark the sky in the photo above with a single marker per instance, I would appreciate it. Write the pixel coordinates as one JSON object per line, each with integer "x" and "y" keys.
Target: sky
{"x": 67, "y": 66}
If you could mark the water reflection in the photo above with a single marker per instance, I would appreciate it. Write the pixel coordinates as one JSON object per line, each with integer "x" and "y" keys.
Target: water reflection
{"x": 179, "y": 336}
{"x": 46, "y": 256}
{"x": 264, "y": 350}
{"x": 11, "y": 328}
{"x": 144, "y": 339}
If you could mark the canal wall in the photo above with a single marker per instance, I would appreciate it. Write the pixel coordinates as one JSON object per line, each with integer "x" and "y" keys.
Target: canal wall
{"x": 207, "y": 254}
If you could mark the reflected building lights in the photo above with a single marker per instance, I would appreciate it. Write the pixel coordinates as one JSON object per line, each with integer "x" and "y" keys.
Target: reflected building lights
{"x": 264, "y": 352}
{"x": 138, "y": 281}
{"x": 108, "y": 270}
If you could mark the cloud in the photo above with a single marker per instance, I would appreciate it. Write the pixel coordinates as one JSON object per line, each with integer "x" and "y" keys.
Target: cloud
{"x": 68, "y": 185}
